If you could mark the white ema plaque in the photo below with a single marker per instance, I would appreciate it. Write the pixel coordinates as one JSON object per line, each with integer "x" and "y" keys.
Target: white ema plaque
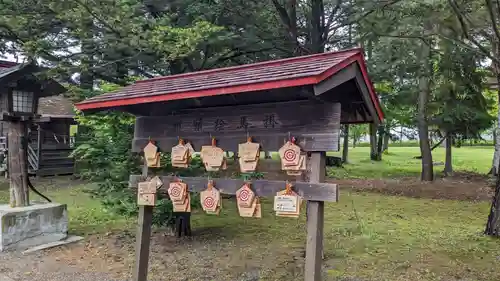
{"x": 285, "y": 203}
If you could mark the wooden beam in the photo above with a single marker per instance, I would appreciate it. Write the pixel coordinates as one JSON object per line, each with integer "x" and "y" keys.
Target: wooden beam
{"x": 12, "y": 117}
{"x": 143, "y": 239}
{"x": 336, "y": 80}
{"x": 365, "y": 93}
{"x": 264, "y": 188}
{"x": 315, "y": 221}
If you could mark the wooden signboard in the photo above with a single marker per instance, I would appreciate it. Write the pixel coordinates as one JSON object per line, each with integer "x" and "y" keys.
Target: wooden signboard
{"x": 315, "y": 125}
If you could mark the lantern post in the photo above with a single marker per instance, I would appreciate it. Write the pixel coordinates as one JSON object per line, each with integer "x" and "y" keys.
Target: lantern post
{"x": 26, "y": 225}
{"x": 19, "y": 109}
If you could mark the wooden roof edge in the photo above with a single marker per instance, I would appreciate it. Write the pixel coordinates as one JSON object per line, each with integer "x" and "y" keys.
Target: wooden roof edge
{"x": 371, "y": 87}
{"x": 62, "y": 116}
{"x": 7, "y": 64}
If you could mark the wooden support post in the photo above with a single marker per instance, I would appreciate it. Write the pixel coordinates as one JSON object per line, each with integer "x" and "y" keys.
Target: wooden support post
{"x": 267, "y": 155}
{"x": 315, "y": 221}
{"x": 18, "y": 164}
{"x": 182, "y": 224}
{"x": 39, "y": 143}
{"x": 345, "y": 149}
{"x": 143, "y": 238}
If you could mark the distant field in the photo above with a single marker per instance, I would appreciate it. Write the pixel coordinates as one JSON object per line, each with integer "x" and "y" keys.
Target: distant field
{"x": 399, "y": 161}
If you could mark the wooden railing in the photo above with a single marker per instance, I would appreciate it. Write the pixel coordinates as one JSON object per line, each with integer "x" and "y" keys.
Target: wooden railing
{"x": 33, "y": 158}
{"x": 33, "y": 155}
{"x": 3, "y": 143}
{"x": 57, "y": 164}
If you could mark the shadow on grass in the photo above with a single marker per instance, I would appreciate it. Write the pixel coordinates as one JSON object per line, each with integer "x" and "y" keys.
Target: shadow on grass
{"x": 215, "y": 232}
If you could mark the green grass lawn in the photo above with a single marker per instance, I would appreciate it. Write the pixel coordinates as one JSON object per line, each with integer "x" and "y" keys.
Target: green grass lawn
{"x": 367, "y": 236}
{"x": 376, "y": 237}
{"x": 86, "y": 215}
{"x": 400, "y": 162}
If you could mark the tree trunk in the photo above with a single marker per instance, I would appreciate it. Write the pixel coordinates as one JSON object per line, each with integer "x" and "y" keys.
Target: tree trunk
{"x": 493, "y": 224}
{"x": 387, "y": 137}
{"x": 423, "y": 127}
{"x": 345, "y": 150}
{"x": 354, "y": 142}
{"x": 373, "y": 142}
{"x": 496, "y": 154}
{"x": 317, "y": 26}
{"x": 87, "y": 60}
{"x": 380, "y": 144}
{"x": 18, "y": 168}
{"x": 496, "y": 137}
{"x": 448, "y": 168}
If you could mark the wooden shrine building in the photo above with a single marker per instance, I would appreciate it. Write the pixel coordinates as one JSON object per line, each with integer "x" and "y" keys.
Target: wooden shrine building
{"x": 49, "y": 143}
{"x": 301, "y": 98}
{"x": 51, "y": 132}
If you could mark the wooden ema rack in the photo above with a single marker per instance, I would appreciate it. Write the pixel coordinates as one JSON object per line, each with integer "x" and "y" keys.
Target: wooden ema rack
{"x": 315, "y": 126}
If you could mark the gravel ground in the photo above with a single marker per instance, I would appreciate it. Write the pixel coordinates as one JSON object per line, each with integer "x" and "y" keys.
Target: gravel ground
{"x": 111, "y": 258}
{"x": 42, "y": 267}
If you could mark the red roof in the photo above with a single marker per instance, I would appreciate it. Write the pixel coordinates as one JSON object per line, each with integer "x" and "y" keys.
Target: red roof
{"x": 7, "y": 64}
{"x": 291, "y": 72}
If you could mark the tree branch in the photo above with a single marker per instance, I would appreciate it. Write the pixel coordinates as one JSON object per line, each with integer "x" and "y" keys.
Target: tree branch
{"x": 498, "y": 7}
{"x": 334, "y": 11}
{"x": 289, "y": 25}
{"x": 469, "y": 47}
{"x": 363, "y": 16}
{"x": 285, "y": 19}
{"x": 464, "y": 28}
{"x": 237, "y": 55}
{"x": 493, "y": 19}
{"x": 105, "y": 23}
{"x": 205, "y": 56}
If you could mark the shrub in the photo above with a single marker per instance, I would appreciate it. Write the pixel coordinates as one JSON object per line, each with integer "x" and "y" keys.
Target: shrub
{"x": 103, "y": 154}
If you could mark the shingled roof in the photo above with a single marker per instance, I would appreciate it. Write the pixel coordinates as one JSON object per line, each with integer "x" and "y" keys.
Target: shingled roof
{"x": 14, "y": 72}
{"x": 50, "y": 106}
{"x": 291, "y": 72}
{"x": 7, "y": 64}
{"x": 56, "y": 106}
